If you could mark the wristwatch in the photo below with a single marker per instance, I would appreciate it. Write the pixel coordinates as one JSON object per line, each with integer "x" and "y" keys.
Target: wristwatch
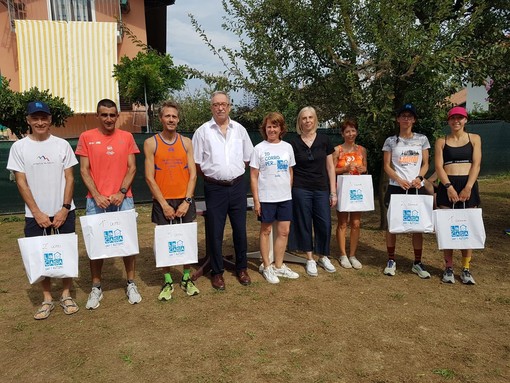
{"x": 123, "y": 191}
{"x": 420, "y": 178}
{"x": 67, "y": 206}
{"x": 188, "y": 200}
{"x": 447, "y": 185}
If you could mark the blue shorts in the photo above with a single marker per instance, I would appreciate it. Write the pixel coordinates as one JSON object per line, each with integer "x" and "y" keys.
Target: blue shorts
{"x": 92, "y": 208}
{"x": 275, "y": 211}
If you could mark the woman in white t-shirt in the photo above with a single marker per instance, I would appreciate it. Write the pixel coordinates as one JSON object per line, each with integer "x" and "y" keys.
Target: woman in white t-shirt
{"x": 271, "y": 181}
{"x": 406, "y": 161}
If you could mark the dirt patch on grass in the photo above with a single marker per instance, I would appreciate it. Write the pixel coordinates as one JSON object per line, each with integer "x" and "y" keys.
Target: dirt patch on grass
{"x": 349, "y": 326}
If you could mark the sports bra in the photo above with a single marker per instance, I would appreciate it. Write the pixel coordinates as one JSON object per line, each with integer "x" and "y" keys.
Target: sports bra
{"x": 458, "y": 155}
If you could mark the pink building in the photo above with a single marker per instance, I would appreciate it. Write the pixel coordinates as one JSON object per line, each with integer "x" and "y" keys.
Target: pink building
{"x": 70, "y": 46}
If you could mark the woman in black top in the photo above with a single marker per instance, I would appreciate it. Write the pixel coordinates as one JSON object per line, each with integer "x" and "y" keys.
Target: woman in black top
{"x": 313, "y": 192}
{"x": 457, "y": 160}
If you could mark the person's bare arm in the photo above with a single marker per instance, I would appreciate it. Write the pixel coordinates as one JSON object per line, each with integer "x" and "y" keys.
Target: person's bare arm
{"x": 474, "y": 171}
{"x": 254, "y": 183}
{"x": 40, "y": 217}
{"x": 61, "y": 216}
{"x": 388, "y": 169}
{"x": 190, "y": 190}
{"x": 117, "y": 198}
{"x": 101, "y": 201}
{"x": 330, "y": 167}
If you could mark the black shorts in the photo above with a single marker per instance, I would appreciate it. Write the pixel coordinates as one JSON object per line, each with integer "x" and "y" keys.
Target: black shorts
{"x": 32, "y": 229}
{"x": 158, "y": 217}
{"x": 392, "y": 189}
{"x": 458, "y": 183}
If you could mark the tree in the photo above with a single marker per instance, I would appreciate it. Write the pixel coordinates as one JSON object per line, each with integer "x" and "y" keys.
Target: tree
{"x": 362, "y": 58}
{"x": 499, "y": 86}
{"x": 195, "y": 110}
{"x": 149, "y": 77}
{"x": 13, "y": 107}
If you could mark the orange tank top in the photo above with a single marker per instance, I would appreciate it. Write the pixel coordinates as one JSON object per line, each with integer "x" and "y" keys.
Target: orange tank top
{"x": 171, "y": 167}
{"x": 355, "y": 157}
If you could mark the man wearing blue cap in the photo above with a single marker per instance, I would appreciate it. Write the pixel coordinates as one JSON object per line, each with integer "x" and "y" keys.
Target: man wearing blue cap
{"x": 43, "y": 167}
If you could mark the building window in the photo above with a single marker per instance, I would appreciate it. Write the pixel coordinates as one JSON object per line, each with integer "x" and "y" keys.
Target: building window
{"x": 17, "y": 11}
{"x": 72, "y": 10}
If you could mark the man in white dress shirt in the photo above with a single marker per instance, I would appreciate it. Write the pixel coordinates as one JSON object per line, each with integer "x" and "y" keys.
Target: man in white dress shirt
{"x": 222, "y": 150}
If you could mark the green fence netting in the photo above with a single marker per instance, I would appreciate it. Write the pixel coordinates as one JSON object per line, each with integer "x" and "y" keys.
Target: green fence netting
{"x": 495, "y": 143}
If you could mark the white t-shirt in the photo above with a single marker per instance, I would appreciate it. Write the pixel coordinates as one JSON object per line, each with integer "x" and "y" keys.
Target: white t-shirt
{"x": 273, "y": 162}
{"x": 222, "y": 158}
{"x": 406, "y": 155}
{"x": 43, "y": 163}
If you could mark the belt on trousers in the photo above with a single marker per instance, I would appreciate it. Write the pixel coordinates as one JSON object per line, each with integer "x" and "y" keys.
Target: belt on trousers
{"x": 223, "y": 182}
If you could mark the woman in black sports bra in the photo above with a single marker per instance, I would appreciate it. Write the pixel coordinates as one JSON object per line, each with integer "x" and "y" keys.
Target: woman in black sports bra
{"x": 457, "y": 161}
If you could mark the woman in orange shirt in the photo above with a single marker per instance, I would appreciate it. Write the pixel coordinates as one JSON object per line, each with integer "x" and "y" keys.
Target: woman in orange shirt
{"x": 350, "y": 158}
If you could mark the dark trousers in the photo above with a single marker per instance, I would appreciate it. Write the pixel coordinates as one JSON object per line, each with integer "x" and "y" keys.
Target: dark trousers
{"x": 222, "y": 201}
{"x": 310, "y": 208}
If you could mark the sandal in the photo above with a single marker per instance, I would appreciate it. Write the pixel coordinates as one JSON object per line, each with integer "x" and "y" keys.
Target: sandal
{"x": 69, "y": 305}
{"x": 45, "y": 310}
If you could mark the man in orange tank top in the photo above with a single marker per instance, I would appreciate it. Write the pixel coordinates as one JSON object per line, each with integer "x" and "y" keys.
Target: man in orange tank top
{"x": 171, "y": 175}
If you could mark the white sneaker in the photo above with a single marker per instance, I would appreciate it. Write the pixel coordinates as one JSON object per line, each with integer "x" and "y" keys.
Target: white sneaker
{"x": 133, "y": 294}
{"x": 95, "y": 297}
{"x": 326, "y": 264}
{"x": 390, "y": 268}
{"x": 270, "y": 275}
{"x": 286, "y": 272}
{"x": 355, "y": 263}
{"x": 344, "y": 262}
{"x": 466, "y": 277}
{"x": 419, "y": 269}
{"x": 448, "y": 276}
{"x": 311, "y": 268}
{"x": 261, "y": 268}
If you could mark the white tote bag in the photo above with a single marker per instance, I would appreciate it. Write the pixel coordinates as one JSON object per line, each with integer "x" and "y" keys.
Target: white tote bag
{"x": 112, "y": 234}
{"x": 54, "y": 256}
{"x": 459, "y": 228}
{"x": 176, "y": 244}
{"x": 355, "y": 193}
{"x": 410, "y": 213}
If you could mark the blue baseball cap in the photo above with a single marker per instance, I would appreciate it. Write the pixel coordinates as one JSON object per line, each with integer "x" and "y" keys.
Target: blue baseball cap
{"x": 407, "y": 108}
{"x": 37, "y": 106}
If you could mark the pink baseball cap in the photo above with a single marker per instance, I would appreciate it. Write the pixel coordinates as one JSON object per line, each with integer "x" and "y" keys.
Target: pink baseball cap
{"x": 458, "y": 110}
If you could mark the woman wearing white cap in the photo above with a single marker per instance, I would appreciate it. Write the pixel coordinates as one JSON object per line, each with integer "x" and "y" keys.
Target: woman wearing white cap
{"x": 458, "y": 156}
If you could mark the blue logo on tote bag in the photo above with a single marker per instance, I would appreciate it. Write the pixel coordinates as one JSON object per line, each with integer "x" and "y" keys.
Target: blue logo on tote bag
{"x": 113, "y": 237}
{"x": 410, "y": 216}
{"x": 176, "y": 248}
{"x": 53, "y": 260}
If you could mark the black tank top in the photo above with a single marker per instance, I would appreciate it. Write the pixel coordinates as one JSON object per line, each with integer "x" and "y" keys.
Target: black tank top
{"x": 458, "y": 155}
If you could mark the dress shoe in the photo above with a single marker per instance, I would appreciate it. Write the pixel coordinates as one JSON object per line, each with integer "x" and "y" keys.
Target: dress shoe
{"x": 217, "y": 282}
{"x": 243, "y": 277}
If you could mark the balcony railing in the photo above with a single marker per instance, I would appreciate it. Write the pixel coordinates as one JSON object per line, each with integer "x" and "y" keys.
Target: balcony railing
{"x": 16, "y": 10}
{"x": 70, "y": 10}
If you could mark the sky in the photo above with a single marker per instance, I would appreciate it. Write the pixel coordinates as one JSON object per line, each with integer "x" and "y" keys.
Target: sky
{"x": 186, "y": 46}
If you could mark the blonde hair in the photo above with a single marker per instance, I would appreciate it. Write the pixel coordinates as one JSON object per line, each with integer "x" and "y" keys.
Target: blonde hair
{"x": 298, "y": 121}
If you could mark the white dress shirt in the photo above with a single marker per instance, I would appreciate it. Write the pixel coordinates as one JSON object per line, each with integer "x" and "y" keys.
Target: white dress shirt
{"x": 222, "y": 158}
